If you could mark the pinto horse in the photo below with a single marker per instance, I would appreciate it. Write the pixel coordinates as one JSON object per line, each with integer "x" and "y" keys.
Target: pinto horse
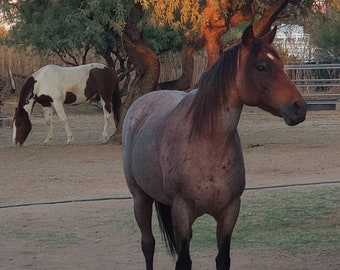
{"x": 183, "y": 152}
{"x": 53, "y": 86}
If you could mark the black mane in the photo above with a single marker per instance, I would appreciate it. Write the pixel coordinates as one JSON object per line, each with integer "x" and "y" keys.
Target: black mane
{"x": 212, "y": 89}
{"x": 26, "y": 92}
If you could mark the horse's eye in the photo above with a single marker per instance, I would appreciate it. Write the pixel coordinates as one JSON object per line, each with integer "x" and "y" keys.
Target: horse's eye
{"x": 260, "y": 68}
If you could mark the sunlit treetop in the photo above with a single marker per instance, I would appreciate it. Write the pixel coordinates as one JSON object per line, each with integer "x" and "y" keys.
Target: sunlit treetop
{"x": 336, "y": 4}
{"x": 176, "y": 13}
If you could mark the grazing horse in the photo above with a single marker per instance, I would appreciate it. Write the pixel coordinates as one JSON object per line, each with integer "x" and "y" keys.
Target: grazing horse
{"x": 183, "y": 152}
{"x": 53, "y": 86}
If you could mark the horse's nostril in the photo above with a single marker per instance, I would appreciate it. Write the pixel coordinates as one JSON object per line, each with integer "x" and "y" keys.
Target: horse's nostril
{"x": 296, "y": 105}
{"x": 299, "y": 107}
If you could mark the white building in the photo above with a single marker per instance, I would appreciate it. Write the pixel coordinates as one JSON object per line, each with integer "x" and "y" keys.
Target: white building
{"x": 294, "y": 41}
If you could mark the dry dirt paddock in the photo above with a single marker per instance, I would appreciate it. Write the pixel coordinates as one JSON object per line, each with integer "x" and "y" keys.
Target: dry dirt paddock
{"x": 101, "y": 234}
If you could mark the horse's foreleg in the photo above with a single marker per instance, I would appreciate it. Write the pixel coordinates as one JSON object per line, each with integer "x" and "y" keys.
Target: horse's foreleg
{"x": 48, "y": 115}
{"x": 61, "y": 114}
{"x": 182, "y": 221}
{"x": 143, "y": 214}
{"x": 107, "y": 116}
{"x": 225, "y": 226}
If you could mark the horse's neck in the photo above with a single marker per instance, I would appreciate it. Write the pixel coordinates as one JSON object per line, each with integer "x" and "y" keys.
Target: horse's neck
{"x": 226, "y": 126}
{"x": 29, "y": 106}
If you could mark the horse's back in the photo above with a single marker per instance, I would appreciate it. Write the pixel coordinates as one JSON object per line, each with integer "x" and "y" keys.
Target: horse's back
{"x": 148, "y": 112}
{"x": 55, "y": 81}
{"x": 55, "y": 72}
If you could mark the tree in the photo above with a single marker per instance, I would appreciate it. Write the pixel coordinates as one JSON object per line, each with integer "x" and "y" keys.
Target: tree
{"x": 326, "y": 30}
{"x": 135, "y": 31}
{"x": 68, "y": 28}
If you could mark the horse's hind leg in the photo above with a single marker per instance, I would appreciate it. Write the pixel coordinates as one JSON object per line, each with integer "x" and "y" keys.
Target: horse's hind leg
{"x": 61, "y": 114}
{"x": 225, "y": 225}
{"x": 48, "y": 114}
{"x": 107, "y": 116}
{"x": 143, "y": 214}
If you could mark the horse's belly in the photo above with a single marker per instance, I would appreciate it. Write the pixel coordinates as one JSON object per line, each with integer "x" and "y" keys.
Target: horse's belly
{"x": 148, "y": 176}
{"x": 143, "y": 166}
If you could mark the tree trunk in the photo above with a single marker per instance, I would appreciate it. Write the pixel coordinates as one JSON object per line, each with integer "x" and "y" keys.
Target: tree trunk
{"x": 147, "y": 70}
{"x": 219, "y": 19}
{"x": 183, "y": 82}
{"x": 212, "y": 30}
{"x": 269, "y": 16}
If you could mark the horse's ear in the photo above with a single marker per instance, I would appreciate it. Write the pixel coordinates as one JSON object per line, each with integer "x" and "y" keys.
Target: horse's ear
{"x": 269, "y": 37}
{"x": 248, "y": 36}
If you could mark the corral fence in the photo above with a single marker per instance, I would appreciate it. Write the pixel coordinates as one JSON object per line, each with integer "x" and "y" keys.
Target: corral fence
{"x": 319, "y": 83}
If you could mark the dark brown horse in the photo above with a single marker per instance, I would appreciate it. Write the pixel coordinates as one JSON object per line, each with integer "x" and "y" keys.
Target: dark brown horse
{"x": 182, "y": 150}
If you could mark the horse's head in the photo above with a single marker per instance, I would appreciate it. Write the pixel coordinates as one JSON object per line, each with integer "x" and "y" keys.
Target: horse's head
{"x": 262, "y": 81}
{"x": 21, "y": 126}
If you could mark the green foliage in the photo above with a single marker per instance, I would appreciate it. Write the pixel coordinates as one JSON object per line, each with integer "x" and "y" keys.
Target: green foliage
{"x": 234, "y": 34}
{"x": 162, "y": 39}
{"x": 111, "y": 13}
{"x": 325, "y": 31}
{"x": 64, "y": 26}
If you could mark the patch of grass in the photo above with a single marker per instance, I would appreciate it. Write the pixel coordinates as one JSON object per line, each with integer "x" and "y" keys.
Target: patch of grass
{"x": 3, "y": 200}
{"x": 123, "y": 221}
{"x": 50, "y": 239}
{"x": 84, "y": 109}
{"x": 301, "y": 220}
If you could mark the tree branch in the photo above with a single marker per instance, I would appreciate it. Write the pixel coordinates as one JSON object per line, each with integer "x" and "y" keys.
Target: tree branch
{"x": 269, "y": 16}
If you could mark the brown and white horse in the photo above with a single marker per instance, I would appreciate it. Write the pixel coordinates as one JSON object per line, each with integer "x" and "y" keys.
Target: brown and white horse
{"x": 53, "y": 86}
{"x": 182, "y": 150}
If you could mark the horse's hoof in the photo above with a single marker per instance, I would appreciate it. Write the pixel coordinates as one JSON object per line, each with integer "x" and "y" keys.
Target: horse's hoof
{"x": 47, "y": 142}
{"x": 70, "y": 140}
{"x": 103, "y": 140}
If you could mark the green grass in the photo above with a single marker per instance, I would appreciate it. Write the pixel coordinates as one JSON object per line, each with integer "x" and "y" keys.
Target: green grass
{"x": 83, "y": 109}
{"x": 42, "y": 238}
{"x": 300, "y": 220}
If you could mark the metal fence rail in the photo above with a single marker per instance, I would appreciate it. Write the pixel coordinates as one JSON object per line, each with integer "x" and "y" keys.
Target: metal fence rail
{"x": 319, "y": 77}
{"x": 319, "y": 84}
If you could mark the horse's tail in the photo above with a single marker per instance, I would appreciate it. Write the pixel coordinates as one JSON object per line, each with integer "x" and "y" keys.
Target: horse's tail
{"x": 116, "y": 102}
{"x": 165, "y": 223}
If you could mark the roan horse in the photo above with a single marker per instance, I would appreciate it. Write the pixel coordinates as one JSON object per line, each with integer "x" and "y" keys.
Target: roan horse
{"x": 54, "y": 86}
{"x": 182, "y": 150}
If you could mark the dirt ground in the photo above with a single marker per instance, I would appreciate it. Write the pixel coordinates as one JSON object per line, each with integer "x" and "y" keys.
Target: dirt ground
{"x": 67, "y": 232}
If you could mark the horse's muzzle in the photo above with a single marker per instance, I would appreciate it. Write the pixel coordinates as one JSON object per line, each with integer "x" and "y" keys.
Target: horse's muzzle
{"x": 294, "y": 113}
